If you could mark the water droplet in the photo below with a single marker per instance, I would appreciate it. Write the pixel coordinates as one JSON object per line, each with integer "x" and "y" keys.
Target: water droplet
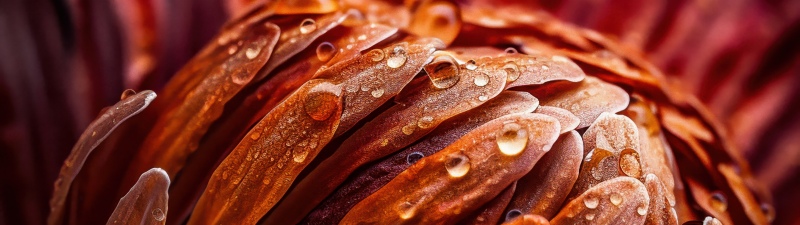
{"x": 409, "y": 129}
{"x": 425, "y": 122}
{"x": 471, "y": 65}
{"x": 307, "y": 26}
{"x": 512, "y": 71}
{"x": 325, "y": 51}
{"x": 397, "y": 57}
{"x": 375, "y": 55}
{"x": 511, "y": 50}
{"x": 351, "y": 88}
{"x": 512, "y": 214}
{"x": 158, "y": 214}
{"x": 629, "y": 163}
{"x": 718, "y": 201}
{"x": 511, "y": 139}
{"x": 406, "y": 210}
{"x": 481, "y": 79}
{"x": 377, "y": 93}
{"x": 414, "y": 157}
{"x": 300, "y": 154}
{"x": 251, "y": 53}
{"x": 615, "y": 198}
{"x": 364, "y": 88}
{"x": 127, "y": 93}
{"x": 590, "y": 216}
{"x": 591, "y": 202}
{"x": 255, "y": 136}
{"x": 443, "y": 71}
{"x": 232, "y": 49}
{"x": 483, "y": 98}
{"x": 457, "y": 165}
{"x": 321, "y": 101}
{"x": 545, "y": 67}
{"x": 362, "y": 37}
{"x": 641, "y": 210}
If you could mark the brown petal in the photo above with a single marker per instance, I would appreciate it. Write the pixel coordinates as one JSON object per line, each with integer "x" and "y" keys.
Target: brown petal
{"x": 146, "y": 202}
{"x": 95, "y": 133}
{"x": 587, "y": 99}
{"x": 567, "y": 120}
{"x": 660, "y": 210}
{"x": 262, "y": 167}
{"x": 612, "y": 132}
{"x": 442, "y": 187}
{"x": 543, "y": 190}
{"x": 621, "y": 200}
{"x": 492, "y": 211}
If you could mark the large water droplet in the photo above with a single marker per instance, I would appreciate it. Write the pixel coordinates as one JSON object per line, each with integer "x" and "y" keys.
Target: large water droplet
{"x": 307, "y": 26}
{"x": 471, "y": 65}
{"x": 377, "y": 93}
{"x": 127, "y": 93}
{"x": 158, "y": 214}
{"x": 591, "y": 202}
{"x": 406, "y": 210}
{"x": 512, "y": 214}
{"x": 511, "y": 139}
{"x": 325, "y": 51}
{"x": 457, "y": 164}
{"x": 511, "y": 50}
{"x": 718, "y": 201}
{"x": 629, "y": 163}
{"x": 397, "y": 57}
{"x": 481, "y": 79}
{"x": 413, "y": 157}
{"x": 641, "y": 210}
{"x": 251, "y": 53}
{"x": 512, "y": 71}
{"x": 615, "y": 198}
{"x": 375, "y": 55}
{"x": 443, "y": 71}
{"x": 425, "y": 122}
{"x": 409, "y": 129}
{"x": 322, "y": 101}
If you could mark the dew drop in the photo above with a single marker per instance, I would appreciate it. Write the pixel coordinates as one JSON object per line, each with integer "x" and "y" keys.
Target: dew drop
{"x": 362, "y": 37}
{"x": 300, "y": 154}
{"x": 641, "y": 210}
{"x": 413, "y": 157}
{"x": 377, "y": 93}
{"x": 512, "y": 214}
{"x": 409, "y": 129}
{"x": 629, "y": 163}
{"x": 425, "y": 122}
{"x": 615, "y": 198}
{"x": 511, "y": 139}
{"x": 406, "y": 210}
{"x": 255, "y": 136}
{"x": 375, "y": 55}
{"x": 251, "y": 53}
{"x": 481, "y": 80}
{"x": 232, "y": 49}
{"x": 590, "y": 216}
{"x": 471, "y": 65}
{"x": 512, "y": 71}
{"x": 591, "y": 202}
{"x": 322, "y": 101}
{"x": 325, "y": 51}
{"x": 483, "y": 98}
{"x": 559, "y": 58}
{"x": 158, "y": 214}
{"x": 397, "y": 57}
{"x": 511, "y": 50}
{"x": 307, "y": 26}
{"x": 127, "y": 93}
{"x": 457, "y": 165}
{"x": 443, "y": 71}
{"x": 718, "y": 201}
{"x": 545, "y": 68}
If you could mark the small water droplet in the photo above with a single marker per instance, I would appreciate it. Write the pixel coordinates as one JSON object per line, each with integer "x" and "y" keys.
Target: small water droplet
{"x": 481, "y": 79}
{"x": 325, "y": 51}
{"x": 457, "y": 164}
{"x": 362, "y": 37}
{"x": 397, "y": 57}
{"x": 511, "y": 139}
{"x": 545, "y": 67}
{"x": 255, "y": 136}
{"x": 425, "y": 122}
{"x": 615, "y": 198}
{"x": 364, "y": 88}
{"x": 232, "y": 49}
{"x": 322, "y": 101}
{"x": 512, "y": 71}
{"x": 471, "y": 65}
{"x": 511, "y": 50}
{"x": 307, "y": 26}
{"x": 351, "y": 88}
{"x": 127, "y": 93}
{"x": 591, "y": 202}
{"x": 409, "y": 129}
{"x": 590, "y": 216}
{"x": 158, "y": 214}
{"x": 718, "y": 201}
{"x": 483, "y": 98}
{"x": 375, "y": 55}
{"x": 443, "y": 71}
{"x": 300, "y": 154}
{"x": 406, "y": 210}
{"x": 641, "y": 210}
{"x": 629, "y": 163}
{"x": 251, "y": 53}
{"x": 512, "y": 214}
{"x": 377, "y": 93}
{"x": 559, "y": 58}
{"x": 413, "y": 157}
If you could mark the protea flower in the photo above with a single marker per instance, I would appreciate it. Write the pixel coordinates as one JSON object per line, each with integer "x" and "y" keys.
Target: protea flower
{"x": 420, "y": 113}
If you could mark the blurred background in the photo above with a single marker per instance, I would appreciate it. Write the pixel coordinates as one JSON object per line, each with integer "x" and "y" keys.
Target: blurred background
{"x": 62, "y": 61}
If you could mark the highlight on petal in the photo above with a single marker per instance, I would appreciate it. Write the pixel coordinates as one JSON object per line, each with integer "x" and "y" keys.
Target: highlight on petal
{"x": 96, "y": 132}
{"x": 146, "y": 202}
